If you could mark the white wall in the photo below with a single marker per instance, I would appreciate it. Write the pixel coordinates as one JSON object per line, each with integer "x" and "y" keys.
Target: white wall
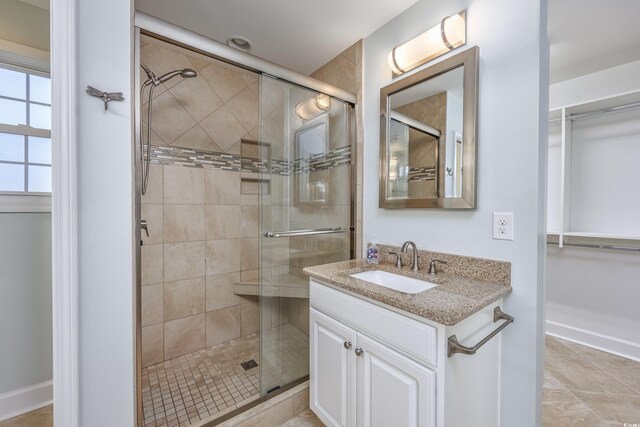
{"x": 105, "y": 214}
{"x": 25, "y": 300}
{"x": 590, "y": 293}
{"x": 511, "y": 170}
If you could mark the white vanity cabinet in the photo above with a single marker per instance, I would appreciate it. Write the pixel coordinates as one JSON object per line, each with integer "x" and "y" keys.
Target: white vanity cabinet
{"x": 373, "y": 366}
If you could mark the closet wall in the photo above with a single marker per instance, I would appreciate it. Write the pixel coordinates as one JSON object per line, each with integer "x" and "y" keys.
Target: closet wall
{"x": 592, "y": 294}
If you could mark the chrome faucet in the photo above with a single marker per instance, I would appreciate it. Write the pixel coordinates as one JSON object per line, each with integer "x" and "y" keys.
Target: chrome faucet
{"x": 414, "y": 265}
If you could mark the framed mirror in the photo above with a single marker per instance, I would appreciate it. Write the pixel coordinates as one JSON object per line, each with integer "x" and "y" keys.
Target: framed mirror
{"x": 428, "y": 136}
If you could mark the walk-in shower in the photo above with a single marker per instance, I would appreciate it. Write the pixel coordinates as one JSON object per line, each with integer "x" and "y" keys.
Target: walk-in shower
{"x": 244, "y": 192}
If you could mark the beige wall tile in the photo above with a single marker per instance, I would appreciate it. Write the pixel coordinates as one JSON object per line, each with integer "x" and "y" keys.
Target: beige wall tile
{"x": 198, "y": 63}
{"x": 184, "y": 261}
{"x": 152, "y": 264}
{"x": 184, "y": 336}
{"x": 154, "y": 192}
{"x": 244, "y": 107}
{"x": 152, "y": 304}
{"x": 250, "y": 315}
{"x": 197, "y": 138}
{"x": 152, "y": 213}
{"x": 184, "y": 223}
{"x": 152, "y": 345}
{"x": 197, "y": 97}
{"x": 225, "y": 82}
{"x": 223, "y": 256}
{"x": 222, "y": 187}
{"x": 250, "y": 254}
{"x": 223, "y": 127}
{"x": 250, "y": 221}
{"x": 249, "y": 199}
{"x": 183, "y": 185}
{"x": 223, "y": 325}
{"x": 223, "y": 222}
{"x": 184, "y": 298}
{"x": 170, "y": 119}
{"x": 219, "y": 291}
{"x": 247, "y": 275}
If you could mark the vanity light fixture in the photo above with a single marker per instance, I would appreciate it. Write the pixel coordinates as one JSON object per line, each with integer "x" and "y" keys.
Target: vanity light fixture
{"x": 448, "y": 35}
{"x": 313, "y": 106}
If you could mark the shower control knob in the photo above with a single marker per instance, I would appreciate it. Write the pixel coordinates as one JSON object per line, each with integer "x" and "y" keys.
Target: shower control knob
{"x": 359, "y": 351}
{"x": 347, "y": 345}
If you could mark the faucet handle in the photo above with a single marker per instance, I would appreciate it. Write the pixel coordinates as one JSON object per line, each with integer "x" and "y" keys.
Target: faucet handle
{"x": 398, "y": 259}
{"x": 432, "y": 267}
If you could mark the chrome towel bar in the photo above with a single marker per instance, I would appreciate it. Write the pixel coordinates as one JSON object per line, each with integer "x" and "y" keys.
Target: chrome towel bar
{"x": 297, "y": 233}
{"x": 455, "y": 347}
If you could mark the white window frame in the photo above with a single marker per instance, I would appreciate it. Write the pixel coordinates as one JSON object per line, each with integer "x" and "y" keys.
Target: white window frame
{"x": 24, "y": 202}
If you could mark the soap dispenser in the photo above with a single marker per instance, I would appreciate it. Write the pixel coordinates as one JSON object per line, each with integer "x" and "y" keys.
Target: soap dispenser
{"x": 373, "y": 254}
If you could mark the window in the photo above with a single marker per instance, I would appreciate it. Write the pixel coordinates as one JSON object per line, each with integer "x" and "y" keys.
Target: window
{"x": 25, "y": 132}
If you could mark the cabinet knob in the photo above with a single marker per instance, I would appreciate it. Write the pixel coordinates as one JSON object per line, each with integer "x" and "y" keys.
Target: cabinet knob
{"x": 359, "y": 351}
{"x": 347, "y": 345}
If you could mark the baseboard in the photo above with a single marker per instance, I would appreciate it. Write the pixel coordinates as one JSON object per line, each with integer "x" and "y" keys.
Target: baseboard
{"x": 617, "y": 346}
{"x": 17, "y": 402}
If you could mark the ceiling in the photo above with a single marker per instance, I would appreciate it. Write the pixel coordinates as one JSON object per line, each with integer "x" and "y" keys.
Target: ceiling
{"x": 301, "y": 35}
{"x": 592, "y": 35}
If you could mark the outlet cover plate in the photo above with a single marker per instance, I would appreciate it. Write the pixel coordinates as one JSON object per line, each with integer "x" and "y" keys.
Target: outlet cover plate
{"x": 503, "y": 225}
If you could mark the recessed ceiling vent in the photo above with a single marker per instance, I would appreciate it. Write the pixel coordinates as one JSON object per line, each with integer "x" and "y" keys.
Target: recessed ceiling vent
{"x": 240, "y": 43}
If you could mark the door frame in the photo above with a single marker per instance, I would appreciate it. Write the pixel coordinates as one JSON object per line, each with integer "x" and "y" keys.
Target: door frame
{"x": 64, "y": 209}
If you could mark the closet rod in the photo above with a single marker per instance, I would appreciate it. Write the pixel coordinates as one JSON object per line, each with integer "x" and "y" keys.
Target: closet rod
{"x": 598, "y": 112}
{"x": 596, "y": 246}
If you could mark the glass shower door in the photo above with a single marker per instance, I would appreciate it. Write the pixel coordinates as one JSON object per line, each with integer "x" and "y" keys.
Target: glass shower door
{"x": 305, "y": 215}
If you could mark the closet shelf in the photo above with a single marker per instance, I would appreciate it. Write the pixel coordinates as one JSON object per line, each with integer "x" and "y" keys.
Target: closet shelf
{"x": 608, "y": 236}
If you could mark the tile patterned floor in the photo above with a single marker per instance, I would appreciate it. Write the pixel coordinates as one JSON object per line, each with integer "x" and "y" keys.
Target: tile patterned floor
{"x": 39, "y": 418}
{"x": 304, "y": 419}
{"x": 198, "y": 386}
{"x": 585, "y": 387}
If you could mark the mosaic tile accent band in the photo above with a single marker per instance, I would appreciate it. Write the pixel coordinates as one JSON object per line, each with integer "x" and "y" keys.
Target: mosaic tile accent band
{"x": 422, "y": 174}
{"x": 188, "y": 157}
{"x": 328, "y": 160}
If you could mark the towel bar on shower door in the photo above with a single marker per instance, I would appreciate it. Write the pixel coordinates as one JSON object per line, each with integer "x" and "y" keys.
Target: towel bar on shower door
{"x": 455, "y": 347}
{"x": 298, "y": 233}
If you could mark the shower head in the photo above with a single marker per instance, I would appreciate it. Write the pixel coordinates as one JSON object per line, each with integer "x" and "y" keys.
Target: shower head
{"x": 187, "y": 73}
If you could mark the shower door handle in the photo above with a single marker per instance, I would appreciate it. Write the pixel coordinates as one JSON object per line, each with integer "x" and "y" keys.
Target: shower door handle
{"x": 144, "y": 226}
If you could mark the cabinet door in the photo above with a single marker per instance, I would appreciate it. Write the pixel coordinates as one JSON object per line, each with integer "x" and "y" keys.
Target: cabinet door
{"x": 333, "y": 373}
{"x": 392, "y": 390}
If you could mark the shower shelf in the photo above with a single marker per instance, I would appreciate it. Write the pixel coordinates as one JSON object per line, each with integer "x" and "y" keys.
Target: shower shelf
{"x": 283, "y": 286}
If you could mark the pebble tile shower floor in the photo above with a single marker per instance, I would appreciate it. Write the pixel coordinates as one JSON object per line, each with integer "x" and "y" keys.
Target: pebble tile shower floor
{"x": 197, "y": 386}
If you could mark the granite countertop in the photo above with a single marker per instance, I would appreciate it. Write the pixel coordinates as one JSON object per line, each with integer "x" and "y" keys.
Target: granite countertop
{"x": 453, "y": 300}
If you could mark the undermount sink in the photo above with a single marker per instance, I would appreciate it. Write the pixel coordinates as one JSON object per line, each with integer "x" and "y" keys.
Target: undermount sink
{"x": 405, "y": 284}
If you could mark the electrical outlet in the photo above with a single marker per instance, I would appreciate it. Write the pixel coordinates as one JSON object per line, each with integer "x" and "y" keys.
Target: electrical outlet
{"x": 503, "y": 225}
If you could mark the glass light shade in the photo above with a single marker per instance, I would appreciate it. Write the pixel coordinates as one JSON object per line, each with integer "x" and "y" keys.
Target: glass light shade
{"x": 313, "y": 106}
{"x": 448, "y": 35}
